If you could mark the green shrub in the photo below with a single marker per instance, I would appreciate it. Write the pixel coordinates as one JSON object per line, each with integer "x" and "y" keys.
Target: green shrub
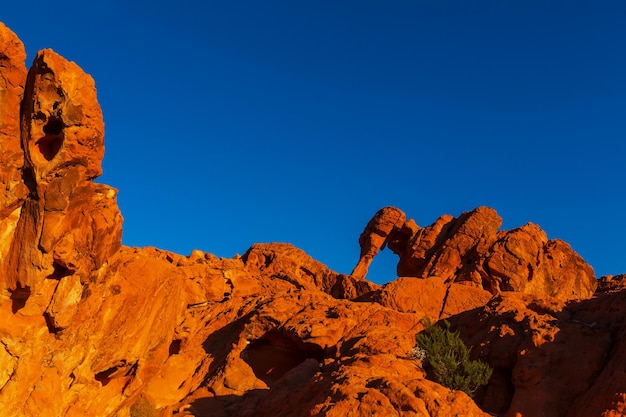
{"x": 449, "y": 359}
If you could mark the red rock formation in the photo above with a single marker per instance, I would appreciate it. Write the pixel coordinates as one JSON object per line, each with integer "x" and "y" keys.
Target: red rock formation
{"x": 429, "y": 297}
{"x": 611, "y": 283}
{"x": 551, "y": 358}
{"x": 92, "y": 328}
{"x": 13, "y": 191}
{"x": 375, "y": 237}
{"x": 470, "y": 250}
{"x": 283, "y": 261}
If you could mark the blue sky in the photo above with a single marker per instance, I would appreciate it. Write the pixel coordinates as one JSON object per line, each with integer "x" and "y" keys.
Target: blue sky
{"x": 235, "y": 122}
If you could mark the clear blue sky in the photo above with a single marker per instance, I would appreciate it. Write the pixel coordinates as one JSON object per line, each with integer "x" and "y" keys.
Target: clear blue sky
{"x": 235, "y": 122}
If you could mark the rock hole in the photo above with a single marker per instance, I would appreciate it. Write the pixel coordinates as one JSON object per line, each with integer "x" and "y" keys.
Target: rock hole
{"x": 104, "y": 377}
{"x": 19, "y": 296}
{"x": 228, "y": 292}
{"x": 496, "y": 397}
{"x": 376, "y": 383}
{"x": 332, "y": 313}
{"x": 28, "y": 175}
{"x": 384, "y": 267}
{"x": 276, "y": 352}
{"x": 50, "y": 144}
{"x": 54, "y": 126}
{"x": 59, "y": 272}
{"x": 175, "y": 347}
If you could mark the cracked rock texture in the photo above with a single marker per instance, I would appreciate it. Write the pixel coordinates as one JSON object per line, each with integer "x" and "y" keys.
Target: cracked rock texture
{"x": 90, "y": 327}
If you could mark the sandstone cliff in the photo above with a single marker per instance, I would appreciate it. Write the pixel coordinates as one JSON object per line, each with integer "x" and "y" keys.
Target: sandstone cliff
{"x": 90, "y": 327}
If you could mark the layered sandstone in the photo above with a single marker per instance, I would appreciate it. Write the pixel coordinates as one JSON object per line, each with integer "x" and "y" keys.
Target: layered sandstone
{"x": 90, "y": 327}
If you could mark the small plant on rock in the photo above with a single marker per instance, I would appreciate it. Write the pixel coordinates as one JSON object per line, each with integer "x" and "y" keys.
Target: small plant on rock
{"x": 419, "y": 354}
{"x": 449, "y": 359}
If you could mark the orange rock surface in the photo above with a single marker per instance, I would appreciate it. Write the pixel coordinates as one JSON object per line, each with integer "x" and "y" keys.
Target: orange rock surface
{"x": 471, "y": 250}
{"x": 90, "y": 327}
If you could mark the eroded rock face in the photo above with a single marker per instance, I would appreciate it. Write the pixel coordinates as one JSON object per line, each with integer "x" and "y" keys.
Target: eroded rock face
{"x": 12, "y": 77}
{"x": 471, "y": 250}
{"x": 283, "y": 261}
{"x": 551, "y": 358}
{"x": 75, "y": 223}
{"x": 611, "y": 283}
{"x": 92, "y": 328}
{"x": 13, "y": 192}
{"x": 385, "y": 223}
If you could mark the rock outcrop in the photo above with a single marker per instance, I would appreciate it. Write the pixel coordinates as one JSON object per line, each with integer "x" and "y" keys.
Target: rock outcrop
{"x": 12, "y": 76}
{"x": 471, "y": 250}
{"x": 551, "y": 358}
{"x": 375, "y": 237}
{"x": 89, "y": 327}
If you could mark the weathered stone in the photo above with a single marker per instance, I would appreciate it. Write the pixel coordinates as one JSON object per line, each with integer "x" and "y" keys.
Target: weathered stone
{"x": 285, "y": 262}
{"x": 92, "y": 328}
{"x": 76, "y": 223}
{"x": 451, "y": 248}
{"x": 13, "y": 192}
{"x": 611, "y": 283}
{"x": 62, "y": 119}
{"x": 12, "y": 80}
{"x": 470, "y": 250}
{"x": 550, "y": 358}
{"x": 375, "y": 237}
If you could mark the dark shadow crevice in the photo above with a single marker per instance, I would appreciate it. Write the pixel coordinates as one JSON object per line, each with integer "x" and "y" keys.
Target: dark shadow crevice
{"x": 19, "y": 296}
{"x": 54, "y": 126}
{"x": 50, "y": 145}
{"x": 277, "y": 352}
{"x": 120, "y": 370}
{"x": 174, "y": 348}
{"x": 59, "y": 272}
{"x": 52, "y": 329}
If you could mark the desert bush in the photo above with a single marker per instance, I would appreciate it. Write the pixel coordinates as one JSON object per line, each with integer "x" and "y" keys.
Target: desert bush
{"x": 449, "y": 359}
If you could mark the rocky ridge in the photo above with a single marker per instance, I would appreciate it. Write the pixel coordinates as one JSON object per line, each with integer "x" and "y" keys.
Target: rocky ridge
{"x": 93, "y": 328}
